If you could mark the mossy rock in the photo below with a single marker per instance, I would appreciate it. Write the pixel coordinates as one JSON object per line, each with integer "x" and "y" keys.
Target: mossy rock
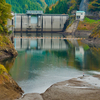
{"x": 2, "y": 69}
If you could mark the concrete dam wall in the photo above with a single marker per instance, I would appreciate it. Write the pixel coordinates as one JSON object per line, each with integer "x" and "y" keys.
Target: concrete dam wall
{"x": 44, "y": 22}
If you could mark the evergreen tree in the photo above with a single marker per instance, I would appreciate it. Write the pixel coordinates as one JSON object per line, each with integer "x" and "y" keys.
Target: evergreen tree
{"x": 47, "y": 10}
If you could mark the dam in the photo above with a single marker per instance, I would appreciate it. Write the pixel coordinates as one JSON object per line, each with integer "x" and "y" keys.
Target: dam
{"x": 37, "y": 21}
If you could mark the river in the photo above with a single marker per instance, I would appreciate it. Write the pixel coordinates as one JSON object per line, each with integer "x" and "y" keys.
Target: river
{"x": 43, "y": 62}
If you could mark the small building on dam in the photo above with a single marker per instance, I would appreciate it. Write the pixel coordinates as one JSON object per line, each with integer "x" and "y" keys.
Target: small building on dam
{"x": 38, "y": 21}
{"x": 80, "y": 15}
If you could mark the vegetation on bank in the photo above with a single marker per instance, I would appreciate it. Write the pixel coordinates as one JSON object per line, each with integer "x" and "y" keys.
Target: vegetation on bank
{"x": 3, "y": 77}
{"x": 2, "y": 69}
{"x": 96, "y": 32}
{"x": 88, "y": 24}
{"x": 85, "y": 46}
{"x": 5, "y": 14}
{"x": 5, "y": 41}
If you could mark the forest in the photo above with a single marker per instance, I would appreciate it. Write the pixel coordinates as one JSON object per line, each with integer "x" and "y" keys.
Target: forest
{"x": 63, "y": 6}
{"x": 51, "y": 6}
{"x": 20, "y": 6}
{"x": 5, "y": 14}
{"x": 94, "y": 5}
{"x": 67, "y": 6}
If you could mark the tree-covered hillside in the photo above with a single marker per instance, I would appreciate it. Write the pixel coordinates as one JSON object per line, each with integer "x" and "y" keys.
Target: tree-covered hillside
{"x": 53, "y": 6}
{"x": 94, "y": 5}
{"x": 68, "y": 6}
{"x": 49, "y": 2}
{"x": 20, "y": 6}
{"x": 63, "y": 6}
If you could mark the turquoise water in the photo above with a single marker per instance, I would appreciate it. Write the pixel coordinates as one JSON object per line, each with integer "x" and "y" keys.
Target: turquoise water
{"x": 43, "y": 62}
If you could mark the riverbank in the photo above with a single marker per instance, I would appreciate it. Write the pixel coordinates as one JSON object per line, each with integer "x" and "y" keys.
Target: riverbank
{"x": 81, "y": 88}
{"x": 6, "y": 48}
{"x": 94, "y": 37}
{"x": 9, "y": 89}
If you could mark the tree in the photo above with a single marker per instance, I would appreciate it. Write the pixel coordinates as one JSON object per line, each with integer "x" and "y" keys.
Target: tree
{"x": 47, "y": 10}
{"x": 5, "y": 14}
{"x": 94, "y": 5}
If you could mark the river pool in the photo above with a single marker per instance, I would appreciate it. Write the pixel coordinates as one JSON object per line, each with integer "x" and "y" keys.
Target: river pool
{"x": 43, "y": 62}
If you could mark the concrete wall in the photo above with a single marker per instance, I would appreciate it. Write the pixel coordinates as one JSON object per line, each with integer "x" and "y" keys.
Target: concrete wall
{"x": 25, "y": 21}
{"x": 54, "y": 22}
{"x": 50, "y": 22}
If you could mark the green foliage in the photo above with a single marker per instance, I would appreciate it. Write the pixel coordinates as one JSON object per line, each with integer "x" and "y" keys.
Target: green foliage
{"x": 49, "y": 2}
{"x": 4, "y": 41}
{"x": 86, "y": 47}
{"x": 20, "y": 6}
{"x": 94, "y": 5}
{"x": 64, "y": 6}
{"x": 10, "y": 32}
{"x": 60, "y": 8}
{"x": 47, "y": 10}
{"x": 5, "y": 14}
{"x": 87, "y": 24}
{"x": 91, "y": 20}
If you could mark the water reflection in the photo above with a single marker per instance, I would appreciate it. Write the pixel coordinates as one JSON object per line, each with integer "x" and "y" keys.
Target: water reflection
{"x": 43, "y": 44}
{"x": 79, "y": 56}
{"x": 41, "y": 63}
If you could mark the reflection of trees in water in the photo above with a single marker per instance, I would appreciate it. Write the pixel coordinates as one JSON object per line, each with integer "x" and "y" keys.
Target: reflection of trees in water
{"x": 92, "y": 61}
{"x": 69, "y": 56}
{"x": 63, "y": 54}
{"x": 8, "y": 63}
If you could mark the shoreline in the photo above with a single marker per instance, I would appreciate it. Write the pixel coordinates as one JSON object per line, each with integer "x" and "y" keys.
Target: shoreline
{"x": 9, "y": 89}
{"x": 82, "y": 87}
{"x": 60, "y": 90}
